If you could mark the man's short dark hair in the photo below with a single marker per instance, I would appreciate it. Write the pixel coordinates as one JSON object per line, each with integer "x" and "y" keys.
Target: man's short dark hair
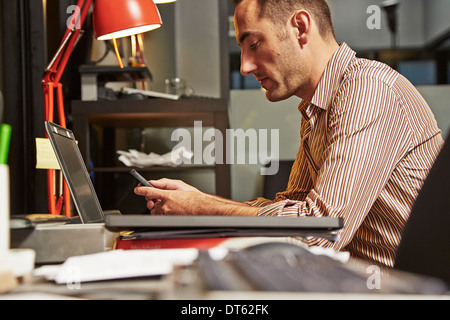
{"x": 280, "y": 10}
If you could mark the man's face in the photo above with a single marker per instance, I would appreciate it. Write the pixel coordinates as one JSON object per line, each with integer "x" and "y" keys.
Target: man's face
{"x": 269, "y": 51}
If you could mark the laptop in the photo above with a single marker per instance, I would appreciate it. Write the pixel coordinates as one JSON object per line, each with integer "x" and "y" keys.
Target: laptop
{"x": 89, "y": 209}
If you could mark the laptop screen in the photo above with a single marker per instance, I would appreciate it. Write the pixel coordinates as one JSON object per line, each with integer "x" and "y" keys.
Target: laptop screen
{"x": 75, "y": 173}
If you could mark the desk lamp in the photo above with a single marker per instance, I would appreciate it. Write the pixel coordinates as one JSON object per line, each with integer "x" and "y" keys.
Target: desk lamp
{"x": 111, "y": 20}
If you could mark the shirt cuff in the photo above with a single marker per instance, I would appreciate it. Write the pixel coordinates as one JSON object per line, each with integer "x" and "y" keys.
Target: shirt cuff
{"x": 259, "y": 202}
{"x": 285, "y": 208}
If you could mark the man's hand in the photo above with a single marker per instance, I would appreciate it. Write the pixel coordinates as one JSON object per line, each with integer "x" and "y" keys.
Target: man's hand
{"x": 167, "y": 184}
{"x": 174, "y": 197}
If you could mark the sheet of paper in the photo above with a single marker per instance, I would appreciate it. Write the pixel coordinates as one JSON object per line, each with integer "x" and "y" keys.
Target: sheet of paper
{"x": 118, "y": 264}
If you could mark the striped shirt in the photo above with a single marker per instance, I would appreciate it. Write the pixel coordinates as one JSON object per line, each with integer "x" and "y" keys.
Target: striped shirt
{"x": 368, "y": 140}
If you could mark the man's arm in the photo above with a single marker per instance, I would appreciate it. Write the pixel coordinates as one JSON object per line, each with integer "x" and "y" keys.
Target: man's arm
{"x": 174, "y": 197}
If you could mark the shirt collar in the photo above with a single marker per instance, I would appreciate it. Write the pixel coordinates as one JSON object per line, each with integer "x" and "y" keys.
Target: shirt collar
{"x": 331, "y": 78}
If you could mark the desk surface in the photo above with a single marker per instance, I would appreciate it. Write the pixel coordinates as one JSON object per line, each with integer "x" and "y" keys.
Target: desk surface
{"x": 184, "y": 283}
{"x": 173, "y": 288}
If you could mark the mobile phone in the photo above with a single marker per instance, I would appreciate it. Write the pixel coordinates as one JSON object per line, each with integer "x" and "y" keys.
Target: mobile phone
{"x": 140, "y": 178}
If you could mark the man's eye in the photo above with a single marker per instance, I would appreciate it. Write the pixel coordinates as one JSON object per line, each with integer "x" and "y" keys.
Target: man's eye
{"x": 254, "y": 45}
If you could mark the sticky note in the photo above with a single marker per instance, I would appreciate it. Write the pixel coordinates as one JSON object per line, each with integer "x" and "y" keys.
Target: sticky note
{"x": 45, "y": 156}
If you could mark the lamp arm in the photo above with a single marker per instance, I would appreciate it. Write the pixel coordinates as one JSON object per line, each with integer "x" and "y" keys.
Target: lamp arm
{"x": 58, "y": 53}
{"x": 50, "y": 82}
{"x": 55, "y": 69}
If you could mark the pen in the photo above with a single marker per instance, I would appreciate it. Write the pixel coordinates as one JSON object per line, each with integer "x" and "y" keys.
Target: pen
{"x": 5, "y": 138}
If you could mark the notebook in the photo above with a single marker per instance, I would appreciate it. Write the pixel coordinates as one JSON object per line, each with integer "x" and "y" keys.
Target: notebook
{"x": 89, "y": 209}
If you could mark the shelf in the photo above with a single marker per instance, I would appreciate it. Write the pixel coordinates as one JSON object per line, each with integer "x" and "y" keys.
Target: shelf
{"x": 107, "y": 116}
{"x": 154, "y": 120}
{"x": 150, "y": 169}
{"x": 151, "y": 105}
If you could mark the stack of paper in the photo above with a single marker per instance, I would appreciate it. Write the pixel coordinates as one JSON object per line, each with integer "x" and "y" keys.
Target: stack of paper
{"x": 117, "y": 264}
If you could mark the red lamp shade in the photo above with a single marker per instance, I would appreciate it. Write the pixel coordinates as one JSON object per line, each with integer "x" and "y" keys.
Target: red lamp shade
{"x": 122, "y": 18}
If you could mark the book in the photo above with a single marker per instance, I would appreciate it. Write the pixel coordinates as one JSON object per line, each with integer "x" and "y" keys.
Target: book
{"x": 31, "y": 220}
{"x": 145, "y": 244}
{"x": 151, "y": 94}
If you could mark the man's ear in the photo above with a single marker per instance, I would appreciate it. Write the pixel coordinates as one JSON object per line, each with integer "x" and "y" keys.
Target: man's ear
{"x": 302, "y": 22}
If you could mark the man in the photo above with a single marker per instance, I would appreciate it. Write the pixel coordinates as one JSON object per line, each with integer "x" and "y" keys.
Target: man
{"x": 368, "y": 139}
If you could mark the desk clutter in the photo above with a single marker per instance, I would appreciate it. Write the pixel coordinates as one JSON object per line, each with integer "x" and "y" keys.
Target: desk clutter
{"x": 221, "y": 268}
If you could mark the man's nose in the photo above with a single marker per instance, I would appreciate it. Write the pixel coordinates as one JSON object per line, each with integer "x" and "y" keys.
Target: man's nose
{"x": 248, "y": 66}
